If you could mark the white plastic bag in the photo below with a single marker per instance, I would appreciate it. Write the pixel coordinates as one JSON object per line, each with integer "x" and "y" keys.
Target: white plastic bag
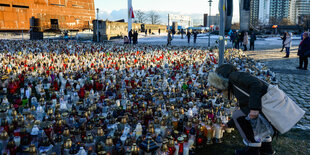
{"x": 261, "y": 128}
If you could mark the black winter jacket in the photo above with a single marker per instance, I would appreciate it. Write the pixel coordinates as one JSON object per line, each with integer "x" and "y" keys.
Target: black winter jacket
{"x": 304, "y": 46}
{"x": 251, "y": 85}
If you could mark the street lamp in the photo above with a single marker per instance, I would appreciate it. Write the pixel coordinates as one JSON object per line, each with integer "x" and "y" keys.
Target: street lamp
{"x": 222, "y": 9}
{"x": 210, "y": 3}
{"x": 97, "y": 25}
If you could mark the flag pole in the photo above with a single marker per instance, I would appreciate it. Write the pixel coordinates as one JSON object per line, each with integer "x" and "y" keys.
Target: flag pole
{"x": 129, "y": 15}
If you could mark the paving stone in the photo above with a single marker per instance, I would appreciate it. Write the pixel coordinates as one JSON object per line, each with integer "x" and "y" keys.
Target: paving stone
{"x": 296, "y": 84}
{"x": 301, "y": 101}
{"x": 307, "y": 105}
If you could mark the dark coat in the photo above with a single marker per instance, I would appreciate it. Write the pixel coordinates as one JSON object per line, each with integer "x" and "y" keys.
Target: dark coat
{"x": 188, "y": 34}
{"x": 304, "y": 46}
{"x": 283, "y": 38}
{"x": 135, "y": 37}
{"x": 253, "y": 38}
{"x": 130, "y": 34}
{"x": 236, "y": 38}
{"x": 195, "y": 35}
{"x": 233, "y": 37}
{"x": 240, "y": 37}
{"x": 248, "y": 83}
{"x": 251, "y": 85}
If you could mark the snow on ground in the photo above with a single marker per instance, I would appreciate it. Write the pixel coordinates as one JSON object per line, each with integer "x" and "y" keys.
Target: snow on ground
{"x": 264, "y": 43}
{"x": 202, "y": 40}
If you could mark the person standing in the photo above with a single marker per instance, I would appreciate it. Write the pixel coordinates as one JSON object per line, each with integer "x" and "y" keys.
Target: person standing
{"x": 236, "y": 40}
{"x": 195, "y": 36}
{"x": 287, "y": 44}
{"x": 145, "y": 32}
{"x": 182, "y": 32}
{"x": 135, "y": 37}
{"x": 241, "y": 38}
{"x": 150, "y": 31}
{"x": 66, "y": 36}
{"x": 283, "y": 40}
{"x": 252, "y": 40}
{"x": 173, "y": 33}
{"x": 188, "y": 34}
{"x": 169, "y": 39}
{"x": 130, "y": 36}
{"x": 159, "y": 31}
{"x": 304, "y": 46}
{"x": 245, "y": 41}
{"x": 230, "y": 81}
{"x": 232, "y": 38}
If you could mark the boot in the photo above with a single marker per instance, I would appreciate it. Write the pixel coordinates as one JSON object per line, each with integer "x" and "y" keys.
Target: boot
{"x": 266, "y": 148}
{"x": 251, "y": 149}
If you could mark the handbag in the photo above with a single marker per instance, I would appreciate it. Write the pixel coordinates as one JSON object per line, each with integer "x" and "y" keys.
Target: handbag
{"x": 280, "y": 110}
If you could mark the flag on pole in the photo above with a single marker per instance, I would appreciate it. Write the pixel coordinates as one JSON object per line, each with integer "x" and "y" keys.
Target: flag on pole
{"x": 132, "y": 15}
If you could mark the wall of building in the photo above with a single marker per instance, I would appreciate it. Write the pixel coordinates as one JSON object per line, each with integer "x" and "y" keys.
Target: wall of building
{"x": 264, "y": 9}
{"x": 205, "y": 20}
{"x": 254, "y": 13}
{"x": 214, "y": 20}
{"x": 184, "y": 21}
{"x": 279, "y": 9}
{"x": 110, "y": 29}
{"x": 71, "y": 14}
{"x": 298, "y": 9}
{"x": 197, "y": 22}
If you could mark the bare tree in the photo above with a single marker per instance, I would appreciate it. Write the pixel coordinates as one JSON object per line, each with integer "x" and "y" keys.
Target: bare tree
{"x": 235, "y": 26}
{"x": 154, "y": 18}
{"x": 140, "y": 16}
{"x": 273, "y": 20}
{"x": 285, "y": 21}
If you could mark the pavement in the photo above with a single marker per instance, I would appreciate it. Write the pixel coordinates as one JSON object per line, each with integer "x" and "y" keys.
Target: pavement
{"x": 295, "y": 83}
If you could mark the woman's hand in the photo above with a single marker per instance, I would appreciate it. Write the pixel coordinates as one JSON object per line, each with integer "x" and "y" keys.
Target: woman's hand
{"x": 253, "y": 114}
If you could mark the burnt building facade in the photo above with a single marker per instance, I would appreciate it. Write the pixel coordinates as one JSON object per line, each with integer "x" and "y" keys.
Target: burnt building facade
{"x": 50, "y": 14}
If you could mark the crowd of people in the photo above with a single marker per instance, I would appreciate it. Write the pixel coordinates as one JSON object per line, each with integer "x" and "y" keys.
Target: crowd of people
{"x": 240, "y": 39}
{"x": 85, "y": 98}
{"x": 132, "y": 37}
{"x": 303, "y": 48}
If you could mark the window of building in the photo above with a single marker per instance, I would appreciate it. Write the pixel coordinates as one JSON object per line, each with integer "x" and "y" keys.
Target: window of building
{"x": 4, "y": 5}
{"x": 21, "y": 6}
{"x": 58, "y": 4}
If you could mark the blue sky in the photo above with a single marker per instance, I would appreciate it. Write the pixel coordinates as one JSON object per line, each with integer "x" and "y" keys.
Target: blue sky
{"x": 182, "y": 7}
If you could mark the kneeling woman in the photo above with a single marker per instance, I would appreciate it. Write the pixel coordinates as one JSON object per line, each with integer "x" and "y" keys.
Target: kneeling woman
{"x": 232, "y": 82}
